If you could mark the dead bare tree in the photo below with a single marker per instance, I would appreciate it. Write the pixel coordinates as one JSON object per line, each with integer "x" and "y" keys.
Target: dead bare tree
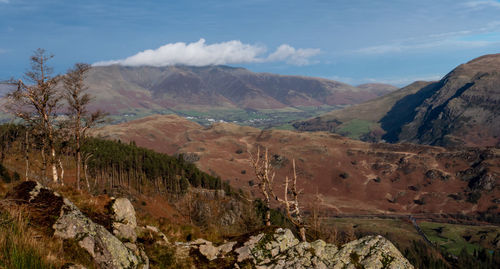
{"x": 78, "y": 99}
{"x": 292, "y": 206}
{"x": 36, "y": 102}
{"x": 265, "y": 176}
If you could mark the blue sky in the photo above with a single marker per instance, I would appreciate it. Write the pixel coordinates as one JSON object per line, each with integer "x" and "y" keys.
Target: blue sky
{"x": 355, "y": 41}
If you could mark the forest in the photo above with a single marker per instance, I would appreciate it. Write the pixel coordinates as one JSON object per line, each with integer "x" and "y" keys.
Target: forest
{"x": 109, "y": 164}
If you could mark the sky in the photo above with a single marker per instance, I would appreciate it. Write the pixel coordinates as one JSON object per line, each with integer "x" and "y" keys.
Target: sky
{"x": 353, "y": 41}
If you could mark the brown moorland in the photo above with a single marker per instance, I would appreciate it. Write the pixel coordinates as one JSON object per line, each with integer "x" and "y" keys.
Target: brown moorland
{"x": 346, "y": 176}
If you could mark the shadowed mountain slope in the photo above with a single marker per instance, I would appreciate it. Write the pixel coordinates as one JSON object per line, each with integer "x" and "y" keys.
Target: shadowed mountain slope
{"x": 463, "y": 108}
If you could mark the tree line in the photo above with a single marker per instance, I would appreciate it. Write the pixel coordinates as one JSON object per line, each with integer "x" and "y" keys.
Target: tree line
{"x": 115, "y": 163}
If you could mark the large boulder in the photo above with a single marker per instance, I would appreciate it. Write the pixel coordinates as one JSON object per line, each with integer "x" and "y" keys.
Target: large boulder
{"x": 66, "y": 221}
{"x": 124, "y": 221}
{"x": 281, "y": 249}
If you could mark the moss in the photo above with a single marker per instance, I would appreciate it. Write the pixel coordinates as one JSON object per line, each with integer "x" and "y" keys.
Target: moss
{"x": 260, "y": 249}
{"x": 73, "y": 252}
{"x": 386, "y": 260}
{"x": 354, "y": 257}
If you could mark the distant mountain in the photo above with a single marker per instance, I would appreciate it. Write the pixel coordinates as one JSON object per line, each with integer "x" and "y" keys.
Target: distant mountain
{"x": 463, "y": 108}
{"x": 4, "y": 89}
{"x": 119, "y": 88}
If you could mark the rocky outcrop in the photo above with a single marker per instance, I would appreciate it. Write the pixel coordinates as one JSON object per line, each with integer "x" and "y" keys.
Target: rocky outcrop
{"x": 66, "y": 221}
{"x": 281, "y": 249}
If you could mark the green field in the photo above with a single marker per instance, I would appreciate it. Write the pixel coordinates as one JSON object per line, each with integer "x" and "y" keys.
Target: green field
{"x": 454, "y": 237}
{"x": 265, "y": 118}
{"x": 356, "y": 128}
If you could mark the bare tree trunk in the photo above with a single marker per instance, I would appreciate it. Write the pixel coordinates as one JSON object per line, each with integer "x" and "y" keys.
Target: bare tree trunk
{"x": 78, "y": 161}
{"x": 268, "y": 216}
{"x": 85, "y": 166}
{"x": 302, "y": 233}
{"x": 55, "y": 177}
{"x": 62, "y": 172}
{"x": 26, "y": 156}
{"x": 44, "y": 162}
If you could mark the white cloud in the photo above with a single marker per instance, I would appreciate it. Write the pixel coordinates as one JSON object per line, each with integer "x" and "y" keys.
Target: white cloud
{"x": 199, "y": 54}
{"x": 293, "y": 56}
{"x": 482, "y": 4}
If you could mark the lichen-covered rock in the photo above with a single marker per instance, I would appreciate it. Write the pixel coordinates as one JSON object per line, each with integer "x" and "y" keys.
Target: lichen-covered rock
{"x": 152, "y": 234}
{"x": 69, "y": 223}
{"x": 124, "y": 221}
{"x": 204, "y": 248}
{"x": 281, "y": 249}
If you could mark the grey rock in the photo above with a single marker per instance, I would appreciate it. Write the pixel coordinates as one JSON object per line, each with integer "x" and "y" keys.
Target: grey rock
{"x": 209, "y": 251}
{"x": 71, "y": 224}
{"x": 282, "y": 249}
{"x": 124, "y": 221}
{"x": 152, "y": 232}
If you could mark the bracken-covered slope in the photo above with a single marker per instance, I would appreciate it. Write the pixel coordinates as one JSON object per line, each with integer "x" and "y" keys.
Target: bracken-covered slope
{"x": 119, "y": 88}
{"x": 461, "y": 109}
{"x": 348, "y": 176}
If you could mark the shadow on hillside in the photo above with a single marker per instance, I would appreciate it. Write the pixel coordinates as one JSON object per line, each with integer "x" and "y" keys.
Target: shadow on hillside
{"x": 404, "y": 112}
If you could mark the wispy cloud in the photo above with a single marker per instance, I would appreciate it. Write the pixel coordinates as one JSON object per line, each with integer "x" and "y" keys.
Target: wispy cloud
{"x": 402, "y": 47}
{"x": 474, "y": 38}
{"x": 4, "y": 1}
{"x": 199, "y": 54}
{"x": 396, "y": 81}
{"x": 482, "y": 4}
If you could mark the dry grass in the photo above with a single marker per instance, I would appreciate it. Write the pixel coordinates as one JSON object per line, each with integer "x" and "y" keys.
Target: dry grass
{"x": 23, "y": 247}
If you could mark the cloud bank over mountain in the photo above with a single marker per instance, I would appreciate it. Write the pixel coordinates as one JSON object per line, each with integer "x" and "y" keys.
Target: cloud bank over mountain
{"x": 201, "y": 54}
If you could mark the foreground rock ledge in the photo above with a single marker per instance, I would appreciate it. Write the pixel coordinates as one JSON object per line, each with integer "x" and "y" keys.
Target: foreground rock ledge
{"x": 282, "y": 249}
{"x": 69, "y": 223}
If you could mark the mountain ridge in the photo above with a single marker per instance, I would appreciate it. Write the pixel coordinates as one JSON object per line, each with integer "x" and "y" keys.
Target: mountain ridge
{"x": 184, "y": 87}
{"x": 463, "y": 108}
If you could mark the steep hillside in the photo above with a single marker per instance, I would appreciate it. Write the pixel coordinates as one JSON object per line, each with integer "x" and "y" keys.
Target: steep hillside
{"x": 461, "y": 109}
{"x": 369, "y": 113}
{"x": 349, "y": 176}
{"x": 184, "y": 87}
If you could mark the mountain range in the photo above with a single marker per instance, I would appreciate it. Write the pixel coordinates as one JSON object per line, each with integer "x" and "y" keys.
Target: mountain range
{"x": 463, "y": 108}
{"x": 122, "y": 89}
